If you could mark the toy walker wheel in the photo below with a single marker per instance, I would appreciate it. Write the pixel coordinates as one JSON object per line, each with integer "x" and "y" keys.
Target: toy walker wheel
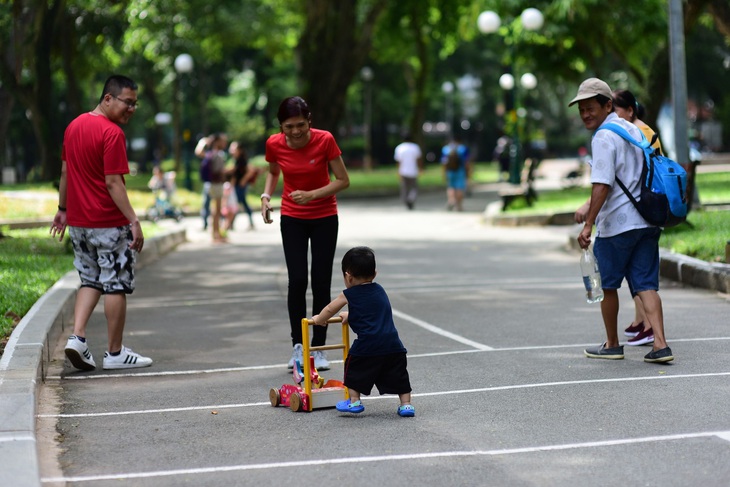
{"x": 295, "y": 402}
{"x": 274, "y": 397}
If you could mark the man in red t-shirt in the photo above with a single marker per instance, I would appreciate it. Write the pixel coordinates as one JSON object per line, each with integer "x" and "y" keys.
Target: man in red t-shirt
{"x": 104, "y": 229}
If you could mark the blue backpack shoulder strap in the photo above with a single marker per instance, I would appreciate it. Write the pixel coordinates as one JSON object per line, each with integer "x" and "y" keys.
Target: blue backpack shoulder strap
{"x": 617, "y": 129}
{"x": 643, "y": 144}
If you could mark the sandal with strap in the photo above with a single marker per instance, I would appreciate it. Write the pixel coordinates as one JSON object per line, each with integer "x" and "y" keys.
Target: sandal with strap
{"x": 406, "y": 410}
{"x": 348, "y": 407}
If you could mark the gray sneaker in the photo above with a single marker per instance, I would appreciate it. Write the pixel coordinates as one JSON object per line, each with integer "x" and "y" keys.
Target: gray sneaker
{"x": 659, "y": 356}
{"x": 320, "y": 361}
{"x": 78, "y": 354}
{"x": 613, "y": 353}
{"x": 295, "y": 355}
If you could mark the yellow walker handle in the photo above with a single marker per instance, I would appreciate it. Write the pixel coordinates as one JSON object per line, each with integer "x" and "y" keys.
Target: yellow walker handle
{"x": 306, "y": 349}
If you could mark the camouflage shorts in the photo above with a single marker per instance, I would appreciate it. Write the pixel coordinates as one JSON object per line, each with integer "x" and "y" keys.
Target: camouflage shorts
{"x": 103, "y": 258}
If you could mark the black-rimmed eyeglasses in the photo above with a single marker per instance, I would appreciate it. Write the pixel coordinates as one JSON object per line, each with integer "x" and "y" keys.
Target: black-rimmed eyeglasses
{"x": 133, "y": 104}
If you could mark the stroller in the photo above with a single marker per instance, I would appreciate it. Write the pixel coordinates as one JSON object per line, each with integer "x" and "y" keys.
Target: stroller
{"x": 163, "y": 187}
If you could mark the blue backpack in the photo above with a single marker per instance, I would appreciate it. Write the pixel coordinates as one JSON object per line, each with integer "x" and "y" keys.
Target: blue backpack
{"x": 663, "y": 198}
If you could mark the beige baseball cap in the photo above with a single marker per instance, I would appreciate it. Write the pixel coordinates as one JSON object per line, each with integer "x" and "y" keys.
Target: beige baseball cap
{"x": 590, "y": 88}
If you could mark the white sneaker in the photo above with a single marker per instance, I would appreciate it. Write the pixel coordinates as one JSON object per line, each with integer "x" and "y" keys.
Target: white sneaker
{"x": 295, "y": 355}
{"x": 126, "y": 359}
{"x": 78, "y": 354}
{"x": 320, "y": 361}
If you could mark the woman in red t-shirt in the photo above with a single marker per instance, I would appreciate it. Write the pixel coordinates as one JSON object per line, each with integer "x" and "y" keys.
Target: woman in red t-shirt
{"x": 305, "y": 156}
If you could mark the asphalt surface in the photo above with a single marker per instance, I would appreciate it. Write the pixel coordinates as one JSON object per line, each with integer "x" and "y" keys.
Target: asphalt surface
{"x": 495, "y": 323}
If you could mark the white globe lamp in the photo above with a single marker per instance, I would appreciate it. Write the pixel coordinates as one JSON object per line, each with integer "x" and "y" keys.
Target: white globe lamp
{"x": 507, "y": 81}
{"x": 528, "y": 81}
{"x": 532, "y": 19}
{"x": 488, "y": 22}
{"x": 184, "y": 63}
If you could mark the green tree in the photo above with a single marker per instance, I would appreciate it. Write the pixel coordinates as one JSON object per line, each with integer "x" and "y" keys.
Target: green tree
{"x": 48, "y": 45}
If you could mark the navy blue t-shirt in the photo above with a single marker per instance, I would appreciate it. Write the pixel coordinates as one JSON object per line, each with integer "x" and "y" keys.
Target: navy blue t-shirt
{"x": 371, "y": 318}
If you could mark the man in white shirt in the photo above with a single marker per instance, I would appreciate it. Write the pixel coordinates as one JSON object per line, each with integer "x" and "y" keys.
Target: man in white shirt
{"x": 410, "y": 163}
{"x": 626, "y": 245}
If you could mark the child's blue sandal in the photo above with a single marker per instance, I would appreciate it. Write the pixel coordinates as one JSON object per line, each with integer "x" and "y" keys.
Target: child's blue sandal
{"x": 406, "y": 411}
{"x": 347, "y": 407}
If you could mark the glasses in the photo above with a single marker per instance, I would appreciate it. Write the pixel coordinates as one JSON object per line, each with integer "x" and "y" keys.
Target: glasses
{"x": 130, "y": 103}
{"x": 291, "y": 126}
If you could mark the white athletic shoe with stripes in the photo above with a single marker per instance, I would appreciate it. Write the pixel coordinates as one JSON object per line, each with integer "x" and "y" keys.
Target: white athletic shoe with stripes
{"x": 127, "y": 359}
{"x": 78, "y": 354}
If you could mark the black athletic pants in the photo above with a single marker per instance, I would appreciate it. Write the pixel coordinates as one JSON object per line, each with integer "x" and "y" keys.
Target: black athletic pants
{"x": 296, "y": 235}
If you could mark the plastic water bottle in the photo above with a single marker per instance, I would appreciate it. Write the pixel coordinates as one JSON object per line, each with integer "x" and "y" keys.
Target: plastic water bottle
{"x": 591, "y": 277}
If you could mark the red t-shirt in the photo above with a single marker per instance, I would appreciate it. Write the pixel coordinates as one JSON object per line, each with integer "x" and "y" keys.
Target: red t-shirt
{"x": 93, "y": 146}
{"x": 305, "y": 169}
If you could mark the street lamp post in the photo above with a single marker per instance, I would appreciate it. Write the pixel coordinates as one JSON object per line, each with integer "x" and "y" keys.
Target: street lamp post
{"x": 366, "y": 73}
{"x": 489, "y": 22}
{"x": 528, "y": 81}
{"x": 183, "y": 65}
{"x": 448, "y": 88}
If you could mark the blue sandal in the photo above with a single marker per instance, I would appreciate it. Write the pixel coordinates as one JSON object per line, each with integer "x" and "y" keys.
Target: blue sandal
{"x": 347, "y": 407}
{"x": 406, "y": 411}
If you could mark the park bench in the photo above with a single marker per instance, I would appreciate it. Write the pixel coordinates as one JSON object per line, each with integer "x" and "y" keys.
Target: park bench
{"x": 525, "y": 189}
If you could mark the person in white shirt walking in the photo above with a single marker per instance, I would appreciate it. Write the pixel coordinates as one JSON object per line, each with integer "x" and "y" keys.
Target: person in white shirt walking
{"x": 409, "y": 158}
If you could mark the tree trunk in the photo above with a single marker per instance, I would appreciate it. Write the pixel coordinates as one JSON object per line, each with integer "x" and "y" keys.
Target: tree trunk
{"x": 420, "y": 79}
{"x": 73, "y": 98}
{"x": 39, "y": 25}
{"x": 330, "y": 53}
{"x": 6, "y": 101}
{"x": 45, "y": 107}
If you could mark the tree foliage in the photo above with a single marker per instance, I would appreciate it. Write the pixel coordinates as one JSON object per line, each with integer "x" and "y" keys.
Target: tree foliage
{"x": 249, "y": 54}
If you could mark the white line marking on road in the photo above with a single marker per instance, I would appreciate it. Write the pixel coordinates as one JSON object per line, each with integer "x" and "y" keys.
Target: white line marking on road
{"x": 388, "y": 458}
{"x": 281, "y": 366}
{"x": 421, "y": 394}
{"x": 152, "y": 411}
{"x": 440, "y": 331}
{"x": 725, "y": 435}
{"x": 568, "y": 383}
{"x": 173, "y": 372}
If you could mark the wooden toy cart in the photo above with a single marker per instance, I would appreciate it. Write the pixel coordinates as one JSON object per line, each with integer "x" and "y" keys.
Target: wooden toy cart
{"x": 315, "y": 394}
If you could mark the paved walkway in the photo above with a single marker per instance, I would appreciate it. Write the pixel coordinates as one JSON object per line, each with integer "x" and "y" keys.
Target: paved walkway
{"x": 495, "y": 323}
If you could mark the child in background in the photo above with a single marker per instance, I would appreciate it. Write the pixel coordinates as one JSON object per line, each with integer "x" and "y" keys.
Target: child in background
{"x": 230, "y": 206}
{"x": 377, "y": 356}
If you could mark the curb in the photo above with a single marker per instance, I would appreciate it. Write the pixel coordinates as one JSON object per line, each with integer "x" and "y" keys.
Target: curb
{"x": 676, "y": 267}
{"x": 24, "y": 364}
{"x": 687, "y": 270}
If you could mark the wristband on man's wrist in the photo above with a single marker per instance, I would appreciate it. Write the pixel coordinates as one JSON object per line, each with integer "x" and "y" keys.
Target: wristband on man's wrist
{"x": 61, "y": 208}
{"x": 266, "y": 195}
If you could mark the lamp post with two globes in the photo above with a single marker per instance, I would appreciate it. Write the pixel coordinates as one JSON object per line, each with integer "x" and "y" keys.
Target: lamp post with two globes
{"x": 366, "y": 73}
{"x": 489, "y": 22}
{"x": 183, "y": 65}
{"x": 448, "y": 88}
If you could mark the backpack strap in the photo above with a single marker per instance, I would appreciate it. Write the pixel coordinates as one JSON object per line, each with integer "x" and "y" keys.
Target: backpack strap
{"x": 642, "y": 144}
{"x": 617, "y": 129}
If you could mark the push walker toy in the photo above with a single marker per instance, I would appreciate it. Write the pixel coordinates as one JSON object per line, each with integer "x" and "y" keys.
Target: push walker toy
{"x": 310, "y": 390}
